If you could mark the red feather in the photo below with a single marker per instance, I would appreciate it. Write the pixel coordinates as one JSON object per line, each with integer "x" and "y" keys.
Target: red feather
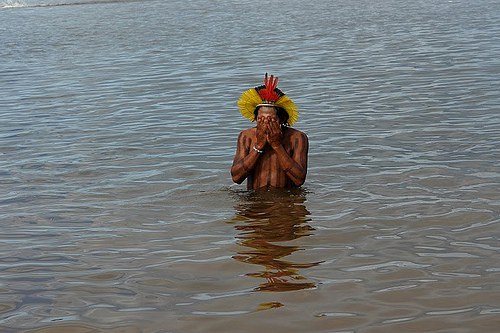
{"x": 268, "y": 93}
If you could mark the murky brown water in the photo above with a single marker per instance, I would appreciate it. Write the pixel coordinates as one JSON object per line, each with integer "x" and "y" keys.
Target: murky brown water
{"x": 118, "y": 128}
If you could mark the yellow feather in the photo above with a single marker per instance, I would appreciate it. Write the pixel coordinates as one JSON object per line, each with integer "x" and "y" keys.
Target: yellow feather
{"x": 293, "y": 112}
{"x": 251, "y": 98}
{"x": 248, "y": 102}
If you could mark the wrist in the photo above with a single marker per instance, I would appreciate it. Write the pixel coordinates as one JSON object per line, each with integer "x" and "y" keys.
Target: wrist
{"x": 275, "y": 145}
{"x": 257, "y": 149}
{"x": 259, "y": 146}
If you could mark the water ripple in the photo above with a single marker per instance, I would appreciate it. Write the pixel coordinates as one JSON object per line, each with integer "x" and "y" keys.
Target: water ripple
{"x": 119, "y": 126}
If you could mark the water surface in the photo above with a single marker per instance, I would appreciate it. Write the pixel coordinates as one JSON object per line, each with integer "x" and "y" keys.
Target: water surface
{"x": 118, "y": 128}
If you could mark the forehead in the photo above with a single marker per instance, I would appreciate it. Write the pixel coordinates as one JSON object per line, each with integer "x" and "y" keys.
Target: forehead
{"x": 267, "y": 111}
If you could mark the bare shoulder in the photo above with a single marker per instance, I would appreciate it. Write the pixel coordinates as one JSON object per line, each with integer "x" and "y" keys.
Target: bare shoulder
{"x": 247, "y": 135}
{"x": 249, "y": 132}
{"x": 295, "y": 133}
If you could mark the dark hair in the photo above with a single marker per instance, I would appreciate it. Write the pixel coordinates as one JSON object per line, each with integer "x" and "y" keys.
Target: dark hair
{"x": 282, "y": 114}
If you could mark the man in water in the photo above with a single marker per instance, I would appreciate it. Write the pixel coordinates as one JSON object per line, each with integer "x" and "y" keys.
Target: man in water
{"x": 272, "y": 154}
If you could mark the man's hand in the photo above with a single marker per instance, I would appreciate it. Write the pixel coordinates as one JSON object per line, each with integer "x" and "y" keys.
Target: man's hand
{"x": 274, "y": 133}
{"x": 261, "y": 134}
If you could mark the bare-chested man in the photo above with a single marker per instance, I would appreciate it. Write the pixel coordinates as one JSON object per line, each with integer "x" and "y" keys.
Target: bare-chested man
{"x": 272, "y": 154}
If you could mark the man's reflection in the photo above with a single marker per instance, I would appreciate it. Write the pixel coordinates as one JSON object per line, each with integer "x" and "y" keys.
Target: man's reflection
{"x": 265, "y": 220}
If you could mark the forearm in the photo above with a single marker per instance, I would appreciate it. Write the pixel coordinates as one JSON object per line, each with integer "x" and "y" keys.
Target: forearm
{"x": 294, "y": 171}
{"x": 243, "y": 167}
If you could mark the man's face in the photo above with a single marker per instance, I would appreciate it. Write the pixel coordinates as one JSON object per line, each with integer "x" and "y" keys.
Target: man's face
{"x": 267, "y": 114}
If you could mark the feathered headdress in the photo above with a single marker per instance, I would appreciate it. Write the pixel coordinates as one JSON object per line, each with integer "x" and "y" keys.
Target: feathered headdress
{"x": 267, "y": 95}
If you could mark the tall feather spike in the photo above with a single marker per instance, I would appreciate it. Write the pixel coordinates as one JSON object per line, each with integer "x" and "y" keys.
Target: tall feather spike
{"x": 268, "y": 93}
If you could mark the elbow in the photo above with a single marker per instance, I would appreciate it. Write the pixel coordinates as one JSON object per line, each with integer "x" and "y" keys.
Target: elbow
{"x": 238, "y": 179}
{"x": 300, "y": 180}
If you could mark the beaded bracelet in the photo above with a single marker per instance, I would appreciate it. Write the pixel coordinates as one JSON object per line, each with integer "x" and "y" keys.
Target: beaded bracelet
{"x": 257, "y": 150}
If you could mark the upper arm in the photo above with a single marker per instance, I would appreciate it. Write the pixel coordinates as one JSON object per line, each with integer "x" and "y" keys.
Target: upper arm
{"x": 300, "y": 149}
{"x": 241, "y": 146}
